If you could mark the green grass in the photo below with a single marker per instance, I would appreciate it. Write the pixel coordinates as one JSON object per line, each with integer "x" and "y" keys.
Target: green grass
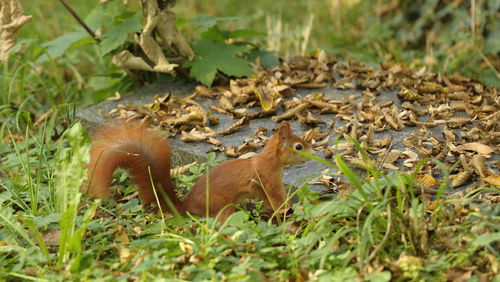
{"x": 382, "y": 231}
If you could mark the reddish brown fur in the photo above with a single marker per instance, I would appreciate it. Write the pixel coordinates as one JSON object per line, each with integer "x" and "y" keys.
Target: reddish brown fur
{"x": 229, "y": 182}
{"x": 135, "y": 148}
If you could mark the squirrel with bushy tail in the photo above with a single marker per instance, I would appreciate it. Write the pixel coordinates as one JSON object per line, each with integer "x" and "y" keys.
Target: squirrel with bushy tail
{"x": 132, "y": 146}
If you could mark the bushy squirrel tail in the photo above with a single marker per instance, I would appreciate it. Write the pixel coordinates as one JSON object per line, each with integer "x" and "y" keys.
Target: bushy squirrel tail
{"x": 146, "y": 155}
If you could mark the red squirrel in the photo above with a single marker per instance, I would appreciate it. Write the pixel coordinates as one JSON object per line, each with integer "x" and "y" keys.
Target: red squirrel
{"x": 134, "y": 147}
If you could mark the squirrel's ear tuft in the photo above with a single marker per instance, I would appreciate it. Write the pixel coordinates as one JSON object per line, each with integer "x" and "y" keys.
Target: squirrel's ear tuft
{"x": 285, "y": 131}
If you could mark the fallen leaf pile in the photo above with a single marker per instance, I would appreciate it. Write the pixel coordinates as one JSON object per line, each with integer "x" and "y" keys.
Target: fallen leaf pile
{"x": 453, "y": 119}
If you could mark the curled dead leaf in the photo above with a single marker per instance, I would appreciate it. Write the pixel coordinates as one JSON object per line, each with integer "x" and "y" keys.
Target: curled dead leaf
{"x": 291, "y": 113}
{"x": 461, "y": 178}
{"x": 493, "y": 180}
{"x": 241, "y": 123}
{"x": 476, "y": 147}
{"x": 11, "y": 19}
{"x": 182, "y": 169}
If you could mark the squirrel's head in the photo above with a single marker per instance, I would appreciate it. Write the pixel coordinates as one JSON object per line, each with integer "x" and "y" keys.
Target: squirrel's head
{"x": 290, "y": 143}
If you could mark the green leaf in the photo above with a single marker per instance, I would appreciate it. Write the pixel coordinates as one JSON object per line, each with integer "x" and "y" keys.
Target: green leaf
{"x": 8, "y": 220}
{"x": 116, "y": 36}
{"x": 207, "y": 21}
{"x": 486, "y": 239}
{"x": 57, "y": 47}
{"x": 70, "y": 171}
{"x": 267, "y": 59}
{"x": 213, "y": 33}
{"x": 245, "y": 32}
{"x": 212, "y": 56}
{"x": 351, "y": 176}
{"x": 375, "y": 276}
{"x": 41, "y": 221}
{"x": 489, "y": 78}
{"x": 492, "y": 44}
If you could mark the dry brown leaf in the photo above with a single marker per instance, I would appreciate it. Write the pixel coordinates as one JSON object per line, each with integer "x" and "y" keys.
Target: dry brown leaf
{"x": 217, "y": 109}
{"x": 429, "y": 87}
{"x": 226, "y": 103}
{"x": 478, "y": 164}
{"x": 493, "y": 180}
{"x": 196, "y": 135}
{"x": 309, "y": 119}
{"x": 11, "y": 19}
{"x": 426, "y": 180}
{"x": 195, "y": 107}
{"x": 214, "y": 141}
{"x": 380, "y": 143}
{"x": 389, "y": 157}
{"x": 326, "y": 107}
{"x": 291, "y": 113}
{"x": 203, "y": 91}
{"x": 313, "y": 134}
{"x": 247, "y": 155}
{"x": 247, "y": 147}
{"x": 458, "y": 274}
{"x": 182, "y": 169}
{"x": 117, "y": 97}
{"x": 242, "y": 123}
{"x": 461, "y": 178}
{"x": 230, "y": 151}
{"x": 51, "y": 237}
{"x": 127, "y": 61}
{"x": 391, "y": 120}
{"x": 476, "y": 147}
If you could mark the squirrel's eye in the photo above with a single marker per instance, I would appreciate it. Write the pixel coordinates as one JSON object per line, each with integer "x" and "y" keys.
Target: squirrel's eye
{"x": 298, "y": 146}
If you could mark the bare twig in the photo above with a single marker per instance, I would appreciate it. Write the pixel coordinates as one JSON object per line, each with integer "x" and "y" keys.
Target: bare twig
{"x": 80, "y": 21}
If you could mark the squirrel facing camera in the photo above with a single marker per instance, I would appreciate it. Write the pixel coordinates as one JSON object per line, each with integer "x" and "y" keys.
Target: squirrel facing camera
{"x": 147, "y": 156}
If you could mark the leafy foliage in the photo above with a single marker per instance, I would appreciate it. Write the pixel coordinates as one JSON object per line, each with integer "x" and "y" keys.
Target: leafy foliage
{"x": 212, "y": 56}
{"x": 119, "y": 33}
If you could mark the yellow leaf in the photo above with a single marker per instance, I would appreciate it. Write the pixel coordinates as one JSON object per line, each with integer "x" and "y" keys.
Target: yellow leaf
{"x": 493, "y": 180}
{"x": 427, "y": 180}
{"x": 266, "y": 97}
{"x": 186, "y": 248}
{"x": 124, "y": 254}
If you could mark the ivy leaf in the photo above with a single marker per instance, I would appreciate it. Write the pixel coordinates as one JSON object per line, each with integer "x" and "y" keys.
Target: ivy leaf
{"x": 116, "y": 36}
{"x": 212, "y": 56}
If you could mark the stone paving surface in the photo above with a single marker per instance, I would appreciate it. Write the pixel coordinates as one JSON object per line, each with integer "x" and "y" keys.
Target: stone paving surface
{"x": 184, "y": 153}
